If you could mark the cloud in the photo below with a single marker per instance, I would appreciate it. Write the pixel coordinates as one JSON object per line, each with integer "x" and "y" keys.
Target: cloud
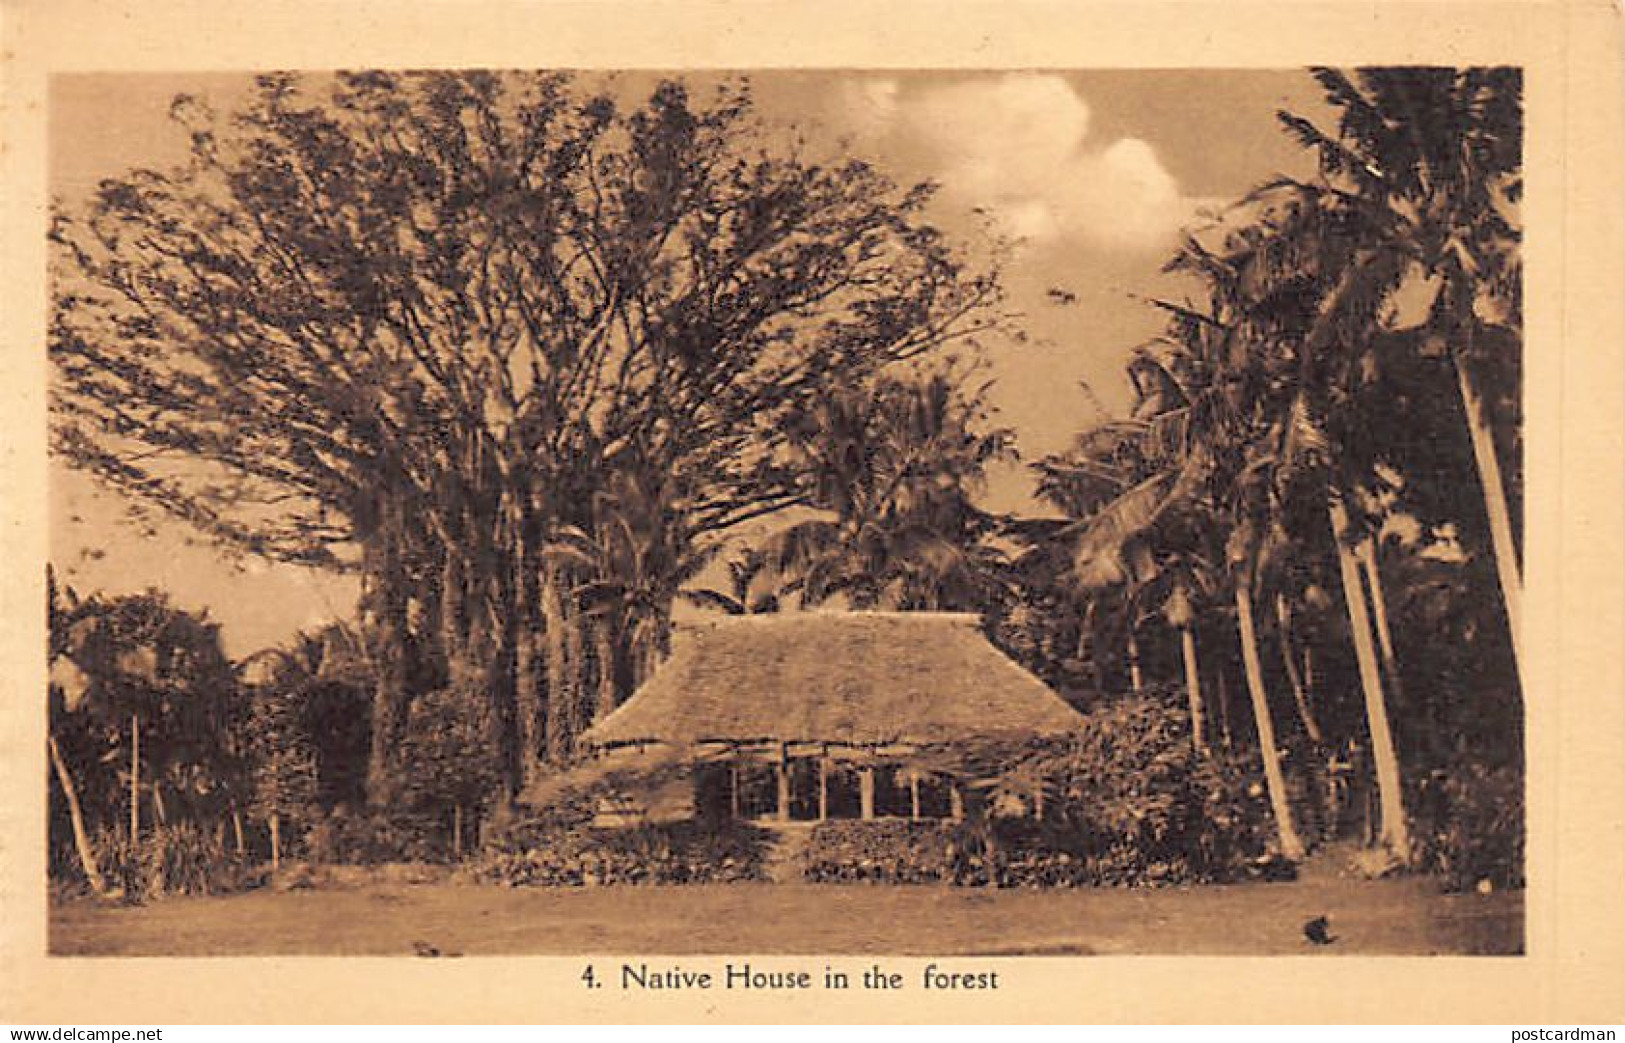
{"x": 1019, "y": 146}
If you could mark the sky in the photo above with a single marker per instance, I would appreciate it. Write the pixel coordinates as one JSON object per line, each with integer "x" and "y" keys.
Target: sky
{"x": 1091, "y": 174}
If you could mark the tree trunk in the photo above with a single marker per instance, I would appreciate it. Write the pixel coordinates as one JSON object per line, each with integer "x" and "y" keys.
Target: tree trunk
{"x": 457, "y": 831}
{"x": 276, "y": 841}
{"x": 135, "y": 779}
{"x": 527, "y": 682}
{"x": 575, "y": 668}
{"x": 604, "y": 649}
{"x": 81, "y": 840}
{"x": 1395, "y": 829}
{"x": 1136, "y": 681}
{"x": 1300, "y": 692}
{"x": 1193, "y": 688}
{"x": 1495, "y": 506}
{"x": 237, "y": 831}
{"x": 390, "y": 630}
{"x": 1367, "y": 554}
{"x": 1291, "y": 845}
{"x": 560, "y": 692}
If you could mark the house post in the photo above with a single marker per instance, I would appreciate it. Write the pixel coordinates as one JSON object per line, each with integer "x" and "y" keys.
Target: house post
{"x": 914, "y": 794}
{"x": 956, "y": 803}
{"x": 784, "y": 781}
{"x": 733, "y": 782}
{"x": 866, "y": 791}
{"x": 823, "y": 785}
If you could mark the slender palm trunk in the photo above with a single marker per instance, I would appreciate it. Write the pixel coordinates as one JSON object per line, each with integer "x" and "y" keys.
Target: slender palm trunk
{"x": 1300, "y": 691}
{"x": 1291, "y": 845}
{"x": 1193, "y": 688}
{"x": 1367, "y": 555}
{"x": 1395, "y": 829}
{"x": 1495, "y": 506}
{"x": 81, "y": 840}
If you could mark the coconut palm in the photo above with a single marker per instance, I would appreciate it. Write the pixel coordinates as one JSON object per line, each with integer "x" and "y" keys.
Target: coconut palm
{"x": 635, "y": 559}
{"x": 747, "y": 575}
{"x": 891, "y": 472}
{"x": 1424, "y": 170}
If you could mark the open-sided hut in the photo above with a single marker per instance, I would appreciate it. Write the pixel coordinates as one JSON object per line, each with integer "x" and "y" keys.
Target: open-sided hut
{"x": 815, "y": 715}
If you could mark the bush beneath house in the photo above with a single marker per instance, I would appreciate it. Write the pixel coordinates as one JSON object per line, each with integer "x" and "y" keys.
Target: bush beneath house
{"x": 1126, "y": 802}
{"x": 887, "y": 851}
{"x": 1146, "y": 808}
{"x": 695, "y": 852}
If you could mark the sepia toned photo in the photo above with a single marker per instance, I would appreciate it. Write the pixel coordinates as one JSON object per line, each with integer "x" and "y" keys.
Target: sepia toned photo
{"x": 973, "y": 513}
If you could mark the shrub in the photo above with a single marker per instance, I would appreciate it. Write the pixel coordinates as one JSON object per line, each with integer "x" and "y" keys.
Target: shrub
{"x": 1128, "y": 802}
{"x": 881, "y": 851}
{"x": 178, "y": 859}
{"x": 530, "y": 854}
{"x": 345, "y": 837}
{"x": 1469, "y": 825}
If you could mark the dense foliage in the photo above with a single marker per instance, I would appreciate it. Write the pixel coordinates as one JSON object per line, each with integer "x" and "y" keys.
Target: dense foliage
{"x": 665, "y": 853}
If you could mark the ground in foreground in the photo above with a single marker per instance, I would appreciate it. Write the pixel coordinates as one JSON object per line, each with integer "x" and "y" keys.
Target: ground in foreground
{"x": 1396, "y": 916}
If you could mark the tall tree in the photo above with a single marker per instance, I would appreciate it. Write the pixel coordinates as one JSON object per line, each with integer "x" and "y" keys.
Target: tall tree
{"x": 893, "y": 470}
{"x": 1425, "y": 169}
{"x": 407, "y": 325}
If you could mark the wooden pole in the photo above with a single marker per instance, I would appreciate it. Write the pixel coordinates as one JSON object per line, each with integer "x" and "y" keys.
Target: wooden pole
{"x": 866, "y": 792}
{"x": 733, "y": 784}
{"x": 914, "y": 796}
{"x": 823, "y": 788}
{"x": 784, "y": 782}
{"x": 956, "y": 803}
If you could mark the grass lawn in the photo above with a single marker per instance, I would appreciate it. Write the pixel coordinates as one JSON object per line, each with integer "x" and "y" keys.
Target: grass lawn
{"x": 1398, "y": 916}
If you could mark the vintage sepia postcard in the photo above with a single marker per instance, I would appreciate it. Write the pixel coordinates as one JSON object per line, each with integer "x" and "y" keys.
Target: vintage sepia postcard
{"x": 813, "y": 513}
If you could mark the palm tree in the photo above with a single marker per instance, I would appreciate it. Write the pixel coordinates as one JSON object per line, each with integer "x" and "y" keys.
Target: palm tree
{"x": 892, "y": 472}
{"x": 638, "y": 555}
{"x": 1424, "y": 169}
{"x": 743, "y": 596}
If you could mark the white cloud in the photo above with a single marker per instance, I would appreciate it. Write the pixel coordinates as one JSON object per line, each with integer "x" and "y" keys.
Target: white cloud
{"x": 1019, "y": 145}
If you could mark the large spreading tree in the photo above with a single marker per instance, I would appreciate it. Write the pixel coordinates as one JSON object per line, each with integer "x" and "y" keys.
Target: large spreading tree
{"x": 410, "y": 326}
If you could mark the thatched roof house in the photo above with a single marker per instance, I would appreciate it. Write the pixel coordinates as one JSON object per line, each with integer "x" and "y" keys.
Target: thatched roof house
{"x": 855, "y": 690}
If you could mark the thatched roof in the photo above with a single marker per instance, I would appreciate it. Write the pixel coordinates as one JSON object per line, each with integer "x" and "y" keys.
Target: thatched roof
{"x": 860, "y": 678}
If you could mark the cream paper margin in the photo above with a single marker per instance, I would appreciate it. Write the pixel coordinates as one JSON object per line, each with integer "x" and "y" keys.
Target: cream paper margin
{"x": 1575, "y": 968}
